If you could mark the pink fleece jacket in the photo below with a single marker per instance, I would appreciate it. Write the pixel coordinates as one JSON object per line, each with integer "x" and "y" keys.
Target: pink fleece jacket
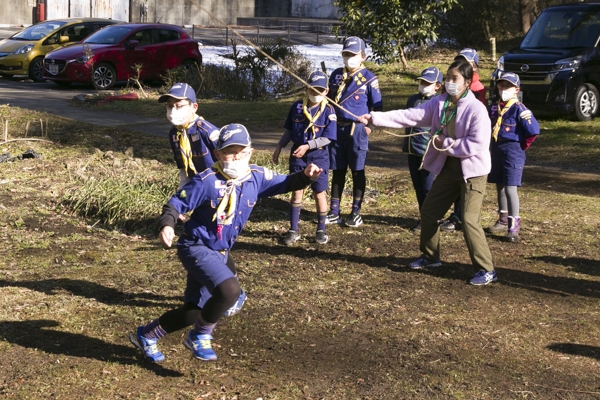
{"x": 473, "y": 131}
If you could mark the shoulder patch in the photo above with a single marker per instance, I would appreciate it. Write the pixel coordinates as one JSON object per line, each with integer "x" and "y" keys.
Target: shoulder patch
{"x": 182, "y": 194}
{"x": 214, "y": 135}
{"x": 375, "y": 84}
{"x": 332, "y": 117}
{"x": 268, "y": 174}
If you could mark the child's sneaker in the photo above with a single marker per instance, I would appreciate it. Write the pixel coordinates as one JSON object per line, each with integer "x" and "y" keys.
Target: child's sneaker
{"x": 354, "y": 220}
{"x": 147, "y": 346}
{"x": 483, "y": 278}
{"x": 333, "y": 219}
{"x": 451, "y": 224}
{"x": 291, "y": 237}
{"x": 234, "y": 309}
{"x": 422, "y": 262}
{"x": 321, "y": 237}
{"x": 201, "y": 346}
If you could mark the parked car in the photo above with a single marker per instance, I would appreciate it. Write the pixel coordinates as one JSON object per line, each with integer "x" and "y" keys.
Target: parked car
{"x": 121, "y": 52}
{"x": 558, "y": 61}
{"x": 23, "y": 52}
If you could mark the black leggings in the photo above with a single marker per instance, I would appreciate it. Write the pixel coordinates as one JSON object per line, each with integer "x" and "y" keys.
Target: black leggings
{"x": 224, "y": 296}
{"x": 338, "y": 181}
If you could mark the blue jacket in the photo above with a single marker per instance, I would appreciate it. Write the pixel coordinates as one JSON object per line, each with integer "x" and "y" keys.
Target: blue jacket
{"x": 203, "y": 139}
{"x": 416, "y": 145}
{"x": 514, "y": 128}
{"x": 204, "y": 193}
{"x": 296, "y": 122}
{"x": 360, "y": 96}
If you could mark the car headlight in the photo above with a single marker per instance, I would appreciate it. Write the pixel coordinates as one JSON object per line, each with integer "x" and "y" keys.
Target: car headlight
{"x": 500, "y": 65}
{"x": 24, "y": 49}
{"x": 567, "y": 64}
{"x": 83, "y": 59}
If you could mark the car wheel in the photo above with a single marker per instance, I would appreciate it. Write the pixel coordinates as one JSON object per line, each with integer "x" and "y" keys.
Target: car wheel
{"x": 36, "y": 69}
{"x": 586, "y": 102}
{"x": 190, "y": 68}
{"x": 104, "y": 76}
{"x": 63, "y": 83}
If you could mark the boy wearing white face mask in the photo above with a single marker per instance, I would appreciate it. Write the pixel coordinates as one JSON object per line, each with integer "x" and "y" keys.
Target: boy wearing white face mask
{"x": 356, "y": 89}
{"x": 514, "y": 128}
{"x": 222, "y": 199}
{"x": 430, "y": 82}
{"x": 311, "y": 126}
{"x": 192, "y": 138}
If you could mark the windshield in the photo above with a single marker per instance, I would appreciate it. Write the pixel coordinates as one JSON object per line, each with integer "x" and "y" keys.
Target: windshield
{"x": 108, "y": 35}
{"x": 38, "y": 31}
{"x": 563, "y": 29}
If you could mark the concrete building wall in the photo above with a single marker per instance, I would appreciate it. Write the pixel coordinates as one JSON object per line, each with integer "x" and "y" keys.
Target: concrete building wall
{"x": 17, "y": 12}
{"x": 273, "y": 8}
{"x": 313, "y": 9}
{"x": 192, "y": 12}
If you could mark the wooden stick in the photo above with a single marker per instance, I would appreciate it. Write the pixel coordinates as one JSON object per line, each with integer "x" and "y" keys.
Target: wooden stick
{"x": 28, "y": 140}
{"x": 27, "y": 128}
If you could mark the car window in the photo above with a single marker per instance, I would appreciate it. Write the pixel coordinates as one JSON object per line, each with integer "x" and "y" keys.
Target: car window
{"x": 167, "y": 35}
{"x": 143, "y": 36}
{"x": 75, "y": 32}
{"x": 38, "y": 31}
{"x": 563, "y": 29}
{"x": 109, "y": 35}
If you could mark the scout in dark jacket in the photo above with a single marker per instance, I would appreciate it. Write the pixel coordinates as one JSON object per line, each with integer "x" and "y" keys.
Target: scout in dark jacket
{"x": 514, "y": 128}
{"x": 430, "y": 82}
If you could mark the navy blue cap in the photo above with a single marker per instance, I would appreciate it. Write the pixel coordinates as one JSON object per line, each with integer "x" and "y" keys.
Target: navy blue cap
{"x": 232, "y": 135}
{"x": 431, "y": 75}
{"x": 510, "y": 77}
{"x": 354, "y": 45}
{"x": 469, "y": 54}
{"x": 179, "y": 91}
{"x": 318, "y": 79}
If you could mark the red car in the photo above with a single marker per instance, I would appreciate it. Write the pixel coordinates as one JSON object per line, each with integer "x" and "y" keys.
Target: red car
{"x": 114, "y": 54}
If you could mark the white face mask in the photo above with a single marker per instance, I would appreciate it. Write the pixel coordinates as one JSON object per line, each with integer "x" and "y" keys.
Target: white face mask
{"x": 454, "y": 89}
{"x": 427, "y": 90}
{"x": 179, "y": 117}
{"x": 352, "y": 62}
{"x": 508, "y": 94}
{"x": 316, "y": 99}
{"x": 236, "y": 168}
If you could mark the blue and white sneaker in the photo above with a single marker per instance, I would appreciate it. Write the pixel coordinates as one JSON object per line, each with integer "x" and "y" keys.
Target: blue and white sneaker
{"x": 147, "y": 346}
{"x": 201, "y": 346}
{"x": 234, "y": 309}
{"x": 422, "y": 262}
{"x": 483, "y": 278}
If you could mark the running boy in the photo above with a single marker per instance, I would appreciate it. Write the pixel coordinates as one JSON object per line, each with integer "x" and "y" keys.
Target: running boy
{"x": 514, "y": 129}
{"x": 221, "y": 199}
{"x": 193, "y": 140}
{"x": 311, "y": 126}
{"x": 430, "y": 82}
{"x": 356, "y": 89}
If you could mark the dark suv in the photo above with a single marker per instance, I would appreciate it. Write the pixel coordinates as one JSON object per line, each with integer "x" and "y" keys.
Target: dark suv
{"x": 558, "y": 61}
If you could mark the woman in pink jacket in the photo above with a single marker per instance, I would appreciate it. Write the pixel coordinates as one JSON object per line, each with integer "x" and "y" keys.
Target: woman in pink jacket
{"x": 458, "y": 154}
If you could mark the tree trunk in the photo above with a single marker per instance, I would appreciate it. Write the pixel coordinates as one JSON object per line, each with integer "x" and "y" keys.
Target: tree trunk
{"x": 526, "y": 8}
{"x": 402, "y": 56}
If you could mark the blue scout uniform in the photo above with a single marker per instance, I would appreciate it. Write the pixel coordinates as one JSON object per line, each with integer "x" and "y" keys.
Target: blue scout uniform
{"x": 508, "y": 150}
{"x": 360, "y": 95}
{"x": 298, "y": 125}
{"x": 205, "y": 243}
{"x": 203, "y": 138}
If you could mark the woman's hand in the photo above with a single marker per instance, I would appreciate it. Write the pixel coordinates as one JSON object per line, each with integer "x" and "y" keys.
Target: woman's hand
{"x": 366, "y": 119}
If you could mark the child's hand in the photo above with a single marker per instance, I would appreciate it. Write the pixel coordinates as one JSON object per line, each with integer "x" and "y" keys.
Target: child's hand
{"x": 301, "y": 151}
{"x": 275, "y": 157}
{"x": 312, "y": 171}
{"x": 166, "y": 235}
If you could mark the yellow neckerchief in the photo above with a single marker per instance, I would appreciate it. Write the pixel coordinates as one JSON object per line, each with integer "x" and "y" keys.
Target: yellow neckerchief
{"x": 345, "y": 80}
{"x": 229, "y": 200}
{"x": 185, "y": 147}
{"x": 504, "y": 109}
{"x": 313, "y": 119}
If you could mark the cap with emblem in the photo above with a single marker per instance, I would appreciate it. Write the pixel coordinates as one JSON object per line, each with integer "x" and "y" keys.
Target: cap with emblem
{"x": 179, "y": 91}
{"x": 510, "y": 77}
{"x": 431, "y": 75}
{"x": 232, "y": 135}
{"x": 470, "y": 55}
{"x": 353, "y": 45}
{"x": 318, "y": 79}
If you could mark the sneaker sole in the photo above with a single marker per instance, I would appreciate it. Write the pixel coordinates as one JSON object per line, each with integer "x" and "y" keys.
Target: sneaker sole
{"x": 191, "y": 348}
{"x": 433, "y": 265}
{"x": 135, "y": 342}
{"x": 483, "y": 284}
{"x": 353, "y": 225}
{"x": 336, "y": 222}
